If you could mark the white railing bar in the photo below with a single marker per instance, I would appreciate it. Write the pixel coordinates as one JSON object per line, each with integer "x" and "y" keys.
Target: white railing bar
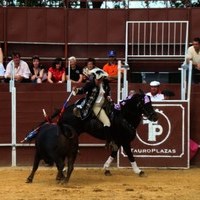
{"x": 144, "y": 45}
{"x": 169, "y": 28}
{"x": 156, "y": 38}
{"x": 149, "y": 22}
{"x": 177, "y": 43}
{"x": 150, "y": 42}
{"x": 163, "y": 38}
{"x": 133, "y": 35}
{"x": 153, "y": 55}
{"x": 138, "y": 39}
{"x": 107, "y": 44}
{"x": 33, "y": 145}
{"x": 174, "y": 37}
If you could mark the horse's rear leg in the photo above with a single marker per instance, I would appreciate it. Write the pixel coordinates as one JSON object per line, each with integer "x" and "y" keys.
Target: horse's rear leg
{"x": 108, "y": 162}
{"x": 34, "y": 169}
{"x": 136, "y": 169}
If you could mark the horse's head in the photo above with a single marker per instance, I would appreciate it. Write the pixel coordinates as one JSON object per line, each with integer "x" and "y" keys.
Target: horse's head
{"x": 137, "y": 105}
{"x": 145, "y": 105}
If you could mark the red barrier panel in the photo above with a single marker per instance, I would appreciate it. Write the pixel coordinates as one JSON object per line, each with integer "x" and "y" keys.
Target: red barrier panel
{"x": 163, "y": 143}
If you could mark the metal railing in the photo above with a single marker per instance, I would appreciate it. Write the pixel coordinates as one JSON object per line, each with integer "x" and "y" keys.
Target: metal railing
{"x": 156, "y": 39}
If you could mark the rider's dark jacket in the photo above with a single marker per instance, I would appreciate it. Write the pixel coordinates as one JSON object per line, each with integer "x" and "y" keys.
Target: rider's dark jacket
{"x": 92, "y": 91}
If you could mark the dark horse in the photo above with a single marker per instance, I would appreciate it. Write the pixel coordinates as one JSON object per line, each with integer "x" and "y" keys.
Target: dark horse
{"x": 124, "y": 122}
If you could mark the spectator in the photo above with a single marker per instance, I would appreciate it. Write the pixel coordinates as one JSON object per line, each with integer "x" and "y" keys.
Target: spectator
{"x": 111, "y": 68}
{"x": 56, "y": 73}
{"x": 21, "y": 69}
{"x": 2, "y": 69}
{"x": 37, "y": 71}
{"x": 154, "y": 93}
{"x": 90, "y": 64}
{"x": 130, "y": 94}
{"x": 75, "y": 71}
{"x": 193, "y": 54}
{"x": 167, "y": 94}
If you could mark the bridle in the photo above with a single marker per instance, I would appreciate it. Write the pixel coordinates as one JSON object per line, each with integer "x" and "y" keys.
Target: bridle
{"x": 140, "y": 105}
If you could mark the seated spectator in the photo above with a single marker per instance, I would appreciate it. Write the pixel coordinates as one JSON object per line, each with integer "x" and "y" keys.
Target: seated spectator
{"x": 37, "y": 71}
{"x": 56, "y": 73}
{"x": 21, "y": 69}
{"x": 75, "y": 71}
{"x": 167, "y": 94}
{"x": 90, "y": 64}
{"x": 2, "y": 69}
{"x": 193, "y": 54}
{"x": 155, "y": 93}
{"x": 111, "y": 67}
{"x": 130, "y": 94}
{"x": 117, "y": 106}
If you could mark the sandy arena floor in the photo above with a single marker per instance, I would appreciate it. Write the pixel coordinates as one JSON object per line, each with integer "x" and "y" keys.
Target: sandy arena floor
{"x": 91, "y": 184}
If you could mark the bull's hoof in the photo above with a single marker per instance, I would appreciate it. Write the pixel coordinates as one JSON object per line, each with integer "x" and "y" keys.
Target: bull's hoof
{"x": 142, "y": 174}
{"x": 28, "y": 180}
{"x": 107, "y": 173}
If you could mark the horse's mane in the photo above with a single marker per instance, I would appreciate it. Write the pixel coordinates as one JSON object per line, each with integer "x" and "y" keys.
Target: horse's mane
{"x": 130, "y": 104}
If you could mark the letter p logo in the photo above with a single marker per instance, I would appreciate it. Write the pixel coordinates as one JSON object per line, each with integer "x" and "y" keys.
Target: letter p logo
{"x": 154, "y": 131}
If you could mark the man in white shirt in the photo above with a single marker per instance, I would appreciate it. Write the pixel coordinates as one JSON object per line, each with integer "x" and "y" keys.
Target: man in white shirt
{"x": 21, "y": 69}
{"x": 193, "y": 54}
{"x": 154, "y": 93}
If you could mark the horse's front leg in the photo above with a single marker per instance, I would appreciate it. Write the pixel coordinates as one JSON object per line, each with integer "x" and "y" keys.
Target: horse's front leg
{"x": 136, "y": 169}
{"x": 108, "y": 162}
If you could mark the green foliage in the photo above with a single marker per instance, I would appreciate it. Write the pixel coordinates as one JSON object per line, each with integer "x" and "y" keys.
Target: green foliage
{"x": 32, "y": 3}
{"x": 196, "y": 4}
{"x": 76, "y": 3}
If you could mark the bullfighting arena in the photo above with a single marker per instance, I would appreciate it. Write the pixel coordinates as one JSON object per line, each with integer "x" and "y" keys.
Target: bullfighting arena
{"x": 91, "y": 184}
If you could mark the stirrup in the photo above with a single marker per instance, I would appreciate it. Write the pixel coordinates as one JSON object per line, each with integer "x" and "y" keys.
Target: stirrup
{"x": 76, "y": 112}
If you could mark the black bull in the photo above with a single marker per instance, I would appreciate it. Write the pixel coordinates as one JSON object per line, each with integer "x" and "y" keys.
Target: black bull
{"x": 123, "y": 125}
{"x": 53, "y": 145}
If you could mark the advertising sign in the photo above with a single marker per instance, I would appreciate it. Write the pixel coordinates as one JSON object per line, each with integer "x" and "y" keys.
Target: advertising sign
{"x": 163, "y": 143}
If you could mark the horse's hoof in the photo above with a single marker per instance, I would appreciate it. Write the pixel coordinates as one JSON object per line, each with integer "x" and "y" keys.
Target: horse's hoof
{"x": 141, "y": 174}
{"x": 107, "y": 173}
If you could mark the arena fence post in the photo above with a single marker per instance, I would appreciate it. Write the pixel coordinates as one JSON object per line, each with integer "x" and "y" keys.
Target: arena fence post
{"x": 13, "y": 114}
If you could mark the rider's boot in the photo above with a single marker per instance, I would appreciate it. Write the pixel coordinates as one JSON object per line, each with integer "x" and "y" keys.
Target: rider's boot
{"x": 109, "y": 141}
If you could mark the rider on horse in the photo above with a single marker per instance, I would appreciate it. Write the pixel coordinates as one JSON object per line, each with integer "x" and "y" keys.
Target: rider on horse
{"x": 97, "y": 93}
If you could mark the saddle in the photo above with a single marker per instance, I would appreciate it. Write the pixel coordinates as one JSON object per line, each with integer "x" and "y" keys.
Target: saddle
{"x": 79, "y": 106}
{"x": 95, "y": 123}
